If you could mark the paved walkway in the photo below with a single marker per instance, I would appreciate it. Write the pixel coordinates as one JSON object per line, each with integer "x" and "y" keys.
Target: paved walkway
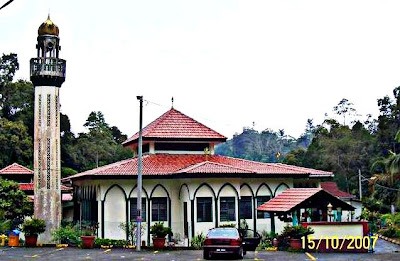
{"x": 384, "y": 251}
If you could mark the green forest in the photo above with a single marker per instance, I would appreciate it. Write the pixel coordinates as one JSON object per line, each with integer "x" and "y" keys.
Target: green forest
{"x": 345, "y": 147}
{"x": 99, "y": 145}
{"x": 338, "y": 144}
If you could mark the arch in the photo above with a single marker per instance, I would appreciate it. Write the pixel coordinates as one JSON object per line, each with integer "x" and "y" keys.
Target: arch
{"x": 134, "y": 187}
{"x": 111, "y": 187}
{"x": 152, "y": 191}
{"x": 228, "y": 184}
{"x": 203, "y": 184}
{"x": 281, "y": 184}
{"x": 107, "y": 220}
{"x": 180, "y": 189}
{"x": 266, "y": 185}
{"x": 247, "y": 185}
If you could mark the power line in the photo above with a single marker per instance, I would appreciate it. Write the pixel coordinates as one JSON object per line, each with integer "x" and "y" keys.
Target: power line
{"x": 9, "y": 2}
{"x": 368, "y": 179}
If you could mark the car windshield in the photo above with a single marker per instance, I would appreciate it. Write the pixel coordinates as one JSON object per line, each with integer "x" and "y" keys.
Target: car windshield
{"x": 223, "y": 233}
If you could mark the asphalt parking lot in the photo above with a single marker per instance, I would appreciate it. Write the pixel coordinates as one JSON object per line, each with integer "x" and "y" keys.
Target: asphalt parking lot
{"x": 385, "y": 251}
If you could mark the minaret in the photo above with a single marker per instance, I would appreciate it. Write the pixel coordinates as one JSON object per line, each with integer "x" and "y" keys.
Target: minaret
{"x": 47, "y": 75}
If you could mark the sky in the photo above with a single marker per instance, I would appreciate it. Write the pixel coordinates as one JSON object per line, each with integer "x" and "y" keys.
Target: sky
{"x": 228, "y": 64}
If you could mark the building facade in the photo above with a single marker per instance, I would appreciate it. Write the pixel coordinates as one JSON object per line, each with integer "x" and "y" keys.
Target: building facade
{"x": 185, "y": 184}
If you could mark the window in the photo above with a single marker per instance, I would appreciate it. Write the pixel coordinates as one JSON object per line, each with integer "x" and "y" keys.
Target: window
{"x": 159, "y": 209}
{"x": 204, "y": 213}
{"x": 261, "y": 200}
{"x": 245, "y": 208}
{"x": 133, "y": 202}
{"x": 227, "y": 209}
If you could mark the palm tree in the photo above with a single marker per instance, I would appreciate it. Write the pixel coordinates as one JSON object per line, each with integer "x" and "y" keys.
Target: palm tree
{"x": 391, "y": 166}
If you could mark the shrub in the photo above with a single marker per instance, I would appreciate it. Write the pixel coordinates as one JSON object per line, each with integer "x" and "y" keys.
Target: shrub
{"x": 67, "y": 235}
{"x": 98, "y": 242}
{"x": 158, "y": 230}
{"x": 34, "y": 226}
{"x": 227, "y": 225}
{"x": 88, "y": 228}
{"x": 130, "y": 228}
{"x": 266, "y": 239}
{"x": 389, "y": 232}
{"x": 198, "y": 241}
{"x": 14, "y": 203}
{"x": 296, "y": 232}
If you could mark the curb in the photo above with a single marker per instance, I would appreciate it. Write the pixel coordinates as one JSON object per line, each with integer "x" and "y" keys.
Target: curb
{"x": 391, "y": 240}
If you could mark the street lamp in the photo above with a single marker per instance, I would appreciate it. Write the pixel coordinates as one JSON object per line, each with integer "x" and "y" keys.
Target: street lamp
{"x": 139, "y": 179}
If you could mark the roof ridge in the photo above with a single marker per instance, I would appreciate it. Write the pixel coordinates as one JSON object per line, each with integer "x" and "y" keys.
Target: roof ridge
{"x": 306, "y": 170}
{"x": 246, "y": 160}
{"x": 194, "y": 166}
{"x": 197, "y": 121}
{"x": 234, "y": 167}
{"x": 154, "y": 126}
{"x": 17, "y": 165}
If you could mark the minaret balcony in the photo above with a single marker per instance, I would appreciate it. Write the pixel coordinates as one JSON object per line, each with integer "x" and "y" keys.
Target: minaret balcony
{"x": 48, "y": 71}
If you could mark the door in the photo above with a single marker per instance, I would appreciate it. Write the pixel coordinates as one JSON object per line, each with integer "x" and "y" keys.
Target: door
{"x": 185, "y": 220}
{"x": 251, "y": 239}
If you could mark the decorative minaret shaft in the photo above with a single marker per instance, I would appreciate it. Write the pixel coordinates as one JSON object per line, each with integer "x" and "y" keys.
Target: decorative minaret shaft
{"x": 47, "y": 75}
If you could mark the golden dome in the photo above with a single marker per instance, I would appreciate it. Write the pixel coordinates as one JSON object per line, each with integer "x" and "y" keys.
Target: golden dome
{"x": 48, "y": 27}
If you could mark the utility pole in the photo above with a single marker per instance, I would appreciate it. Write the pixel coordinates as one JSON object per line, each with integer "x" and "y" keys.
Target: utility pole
{"x": 359, "y": 184}
{"x": 139, "y": 180}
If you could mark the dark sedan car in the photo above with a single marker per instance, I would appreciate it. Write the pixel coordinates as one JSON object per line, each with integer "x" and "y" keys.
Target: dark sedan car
{"x": 230, "y": 241}
{"x": 223, "y": 240}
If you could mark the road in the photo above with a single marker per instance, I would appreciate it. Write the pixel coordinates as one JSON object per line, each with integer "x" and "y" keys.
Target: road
{"x": 384, "y": 251}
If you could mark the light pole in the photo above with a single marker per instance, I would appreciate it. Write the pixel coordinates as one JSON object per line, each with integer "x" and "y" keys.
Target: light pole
{"x": 139, "y": 180}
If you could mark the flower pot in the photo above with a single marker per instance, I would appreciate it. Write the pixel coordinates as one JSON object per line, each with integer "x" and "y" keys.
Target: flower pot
{"x": 159, "y": 242}
{"x": 13, "y": 240}
{"x": 275, "y": 242}
{"x": 295, "y": 243}
{"x": 31, "y": 240}
{"x": 87, "y": 241}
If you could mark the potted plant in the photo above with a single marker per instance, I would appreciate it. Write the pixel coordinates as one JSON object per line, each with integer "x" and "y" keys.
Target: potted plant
{"x": 32, "y": 228}
{"x": 88, "y": 231}
{"x": 159, "y": 232}
{"x": 67, "y": 235}
{"x": 295, "y": 233}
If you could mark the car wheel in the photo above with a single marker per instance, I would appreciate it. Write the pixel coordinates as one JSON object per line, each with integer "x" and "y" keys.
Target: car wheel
{"x": 240, "y": 254}
{"x": 206, "y": 255}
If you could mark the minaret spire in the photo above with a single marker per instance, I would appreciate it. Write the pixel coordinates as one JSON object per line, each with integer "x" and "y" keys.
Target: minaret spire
{"x": 47, "y": 75}
{"x": 172, "y": 100}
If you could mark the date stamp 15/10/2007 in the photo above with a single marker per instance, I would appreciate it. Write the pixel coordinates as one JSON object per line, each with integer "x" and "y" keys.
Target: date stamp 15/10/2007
{"x": 336, "y": 243}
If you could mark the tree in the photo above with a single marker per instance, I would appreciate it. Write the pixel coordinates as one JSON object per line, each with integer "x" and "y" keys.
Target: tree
{"x": 344, "y": 108}
{"x": 14, "y": 203}
{"x": 98, "y": 146}
{"x": 118, "y": 136}
{"x": 15, "y": 143}
{"x": 96, "y": 122}
{"x": 8, "y": 67}
{"x": 390, "y": 166}
{"x": 389, "y": 123}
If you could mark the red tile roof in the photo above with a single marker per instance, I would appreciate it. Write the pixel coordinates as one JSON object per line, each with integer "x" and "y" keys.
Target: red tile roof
{"x": 175, "y": 125}
{"x": 170, "y": 164}
{"x": 29, "y": 186}
{"x": 213, "y": 167}
{"x": 288, "y": 199}
{"x": 15, "y": 168}
{"x": 332, "y": 188}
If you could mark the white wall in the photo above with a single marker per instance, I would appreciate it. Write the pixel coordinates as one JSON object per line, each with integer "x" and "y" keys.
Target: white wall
{"x": 114, "y": 213}
{"x": 115, "y": 208}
